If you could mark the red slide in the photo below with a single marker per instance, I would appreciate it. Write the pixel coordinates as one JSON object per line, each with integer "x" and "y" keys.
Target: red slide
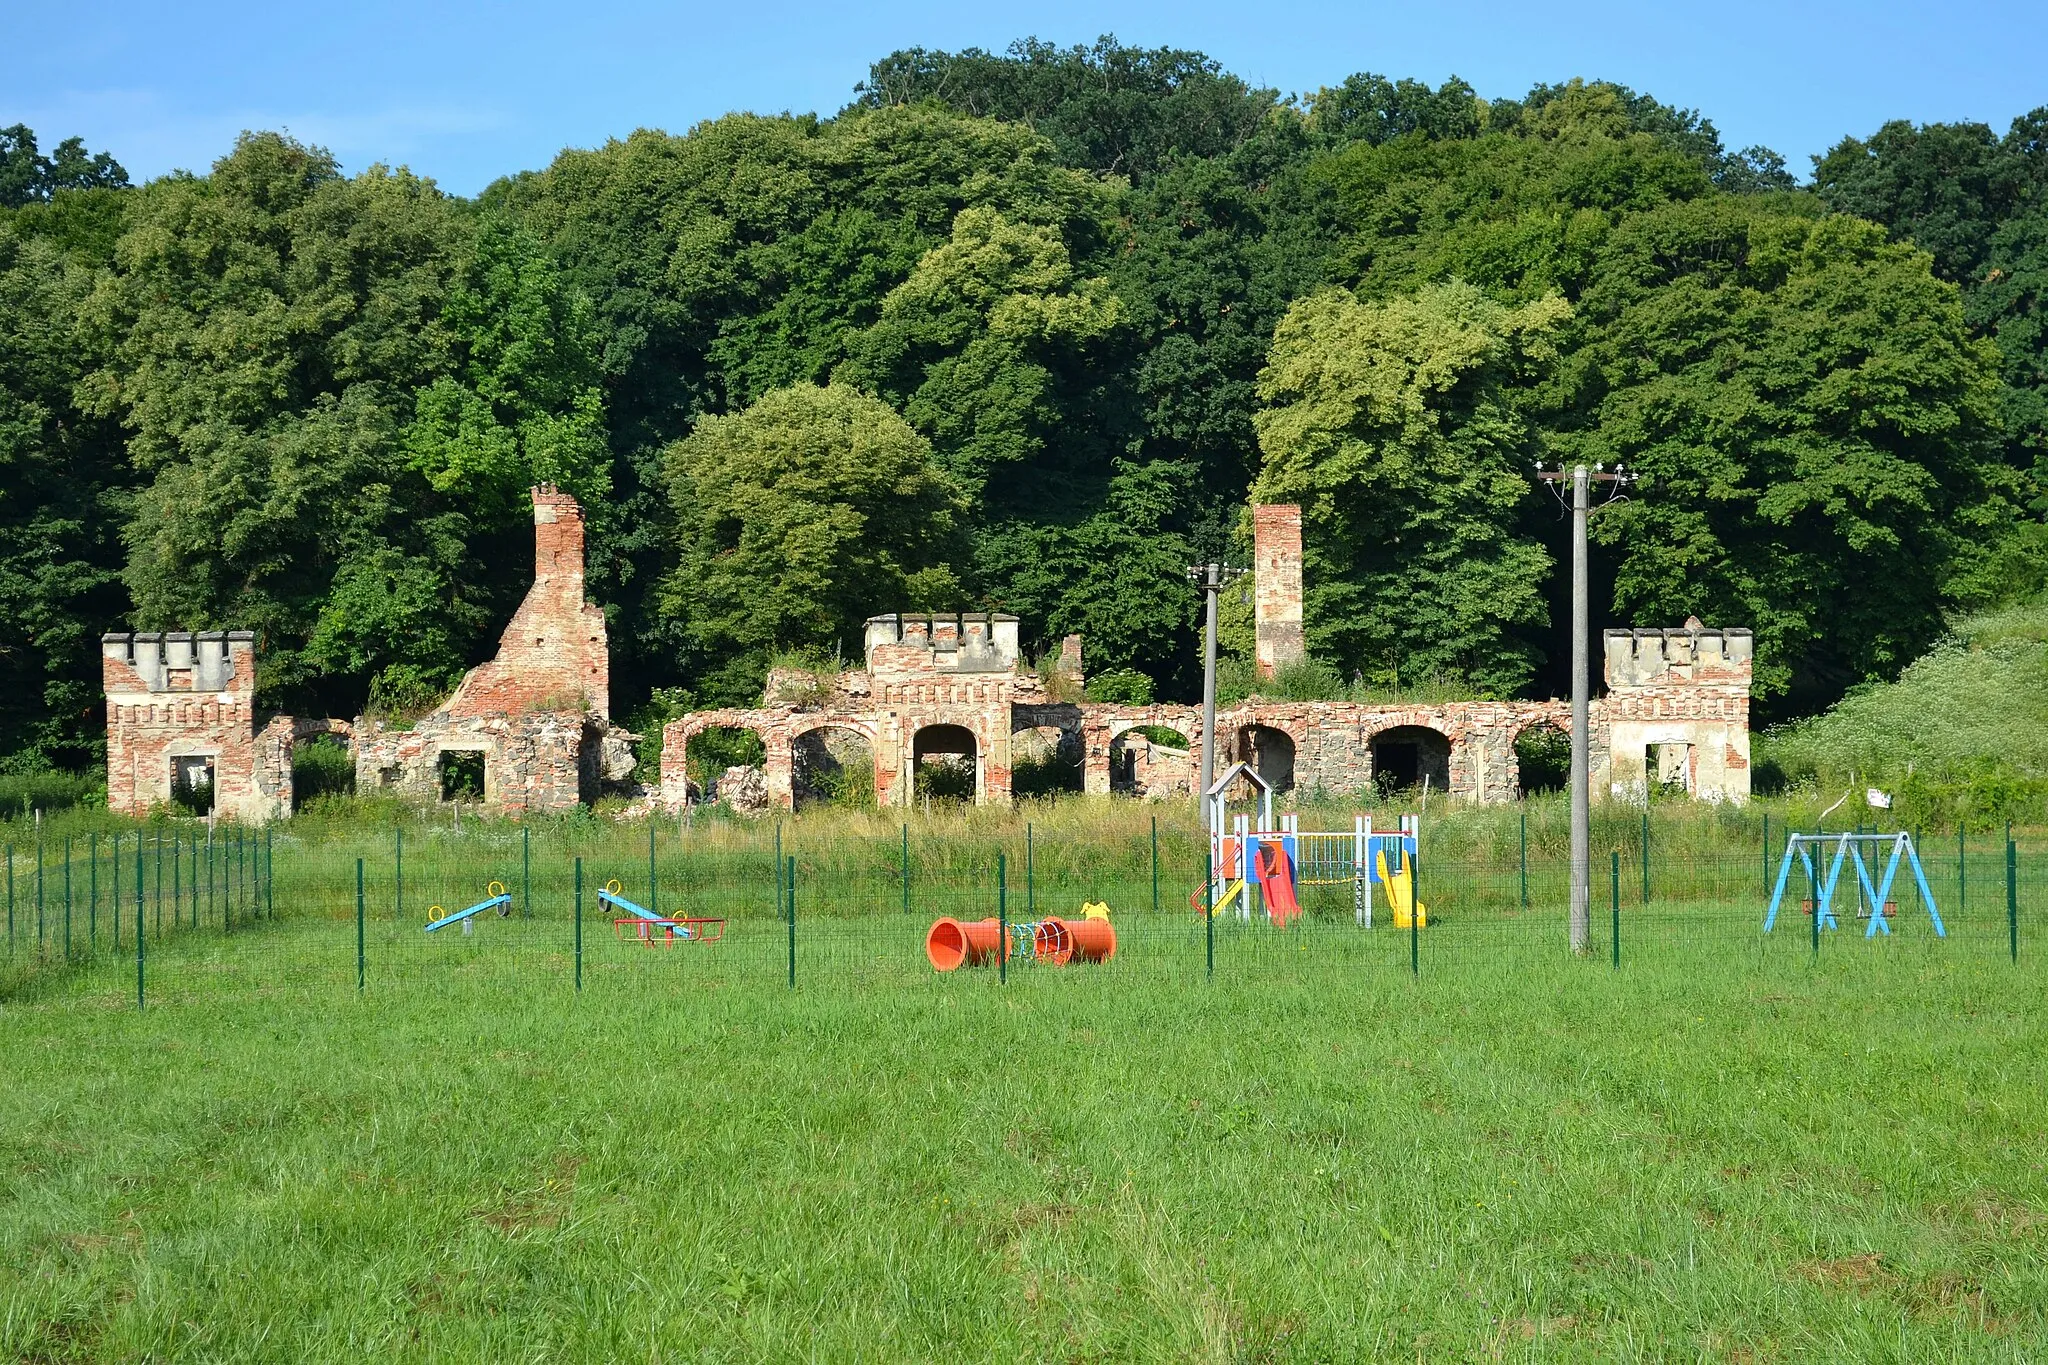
{"x": 1276, "y": 884}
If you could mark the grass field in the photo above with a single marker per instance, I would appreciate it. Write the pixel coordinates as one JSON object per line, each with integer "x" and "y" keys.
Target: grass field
{"x": 1719, "y": 1151}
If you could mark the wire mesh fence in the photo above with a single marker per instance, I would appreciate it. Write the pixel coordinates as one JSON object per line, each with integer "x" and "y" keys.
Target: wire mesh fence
{"x": 168, "y": 912}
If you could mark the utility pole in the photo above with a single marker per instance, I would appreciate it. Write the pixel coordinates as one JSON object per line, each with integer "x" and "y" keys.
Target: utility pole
{"x": 1582, "y": 479}
{"x": 1210, "y": 578}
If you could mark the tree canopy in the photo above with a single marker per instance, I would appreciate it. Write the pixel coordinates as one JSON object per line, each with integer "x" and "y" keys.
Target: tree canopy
{"x": 1024, "y": 331}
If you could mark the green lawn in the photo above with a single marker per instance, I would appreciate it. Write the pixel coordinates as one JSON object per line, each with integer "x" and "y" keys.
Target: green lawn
{"x": 1712, "y": 1153}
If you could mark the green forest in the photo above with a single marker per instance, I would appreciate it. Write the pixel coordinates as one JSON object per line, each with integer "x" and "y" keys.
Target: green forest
{"x": 1025, "y": 332}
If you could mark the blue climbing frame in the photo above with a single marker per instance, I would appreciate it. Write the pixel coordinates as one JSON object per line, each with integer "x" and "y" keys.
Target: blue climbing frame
{"x": 1848, "y": 848}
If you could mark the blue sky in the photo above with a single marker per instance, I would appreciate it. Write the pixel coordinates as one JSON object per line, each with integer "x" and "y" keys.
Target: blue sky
{"x": 466, "y": 93}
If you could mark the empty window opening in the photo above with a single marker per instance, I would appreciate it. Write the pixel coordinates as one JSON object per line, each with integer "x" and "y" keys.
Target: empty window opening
{"x": 1670, "y": 769}
{"x": 192, "y": 783}
{"x": 1543, "y": 757}
{"x": 462, "y": 774}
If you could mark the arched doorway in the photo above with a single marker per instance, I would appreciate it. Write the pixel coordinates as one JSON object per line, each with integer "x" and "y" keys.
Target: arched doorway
{"x": 727, "y": 763}
{"x": 832, "y": 765}
{"x": 1543, "y": 758}
{"x": 1270, "y": 753}
{"x": 945, "y": 764}
{"x": 1411, "y": 757}
{"x": 1151, "y": 761}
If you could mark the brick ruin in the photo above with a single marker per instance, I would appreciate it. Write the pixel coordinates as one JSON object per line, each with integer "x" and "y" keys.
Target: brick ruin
{"x": 1676, "y": 715}
{"x": 934, "y": 695}
{"x": 535, "y": 719}
{"x": 538, "y": 716}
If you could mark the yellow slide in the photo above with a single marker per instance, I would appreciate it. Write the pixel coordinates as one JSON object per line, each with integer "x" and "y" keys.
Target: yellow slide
{"x": 1401, "y": 895}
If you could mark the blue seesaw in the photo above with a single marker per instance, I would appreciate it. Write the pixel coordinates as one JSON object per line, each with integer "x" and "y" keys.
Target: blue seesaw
{"x": 1849, "y": 848}
{"x": 643, "y": 922}
{"x": 499, "y": 900}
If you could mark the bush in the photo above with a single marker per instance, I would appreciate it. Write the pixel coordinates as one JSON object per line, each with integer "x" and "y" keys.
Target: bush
{"x": 24, "y": 793}
{"x": 1121, "y": 687}
{"x": 323, "y": 767}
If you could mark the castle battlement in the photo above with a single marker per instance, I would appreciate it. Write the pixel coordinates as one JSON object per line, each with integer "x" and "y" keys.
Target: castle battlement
{"x": 956, "y": 642}
{"x": 1691, "y": 653}
{"x": 179, "y": 661}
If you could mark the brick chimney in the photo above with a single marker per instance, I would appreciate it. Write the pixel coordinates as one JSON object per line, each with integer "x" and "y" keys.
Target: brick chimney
{"x": 1276, "y": 557}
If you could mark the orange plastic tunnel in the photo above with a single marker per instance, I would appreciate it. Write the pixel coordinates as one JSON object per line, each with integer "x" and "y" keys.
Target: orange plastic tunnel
{"x": 953, "y": 944}
{"x": 1060, "y": 941}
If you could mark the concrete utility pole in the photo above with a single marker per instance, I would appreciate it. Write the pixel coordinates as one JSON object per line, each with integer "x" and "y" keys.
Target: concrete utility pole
{"x": 1210, "y": 578}
{"x": 1582, "y": 480}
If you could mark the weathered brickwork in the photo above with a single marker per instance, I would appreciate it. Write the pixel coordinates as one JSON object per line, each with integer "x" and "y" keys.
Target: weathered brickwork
{"x": 538, "y": 712}
{"x": 1276, "y": 577}
{"x": 183, "y": 702}
{"x": 1677, "y": 711}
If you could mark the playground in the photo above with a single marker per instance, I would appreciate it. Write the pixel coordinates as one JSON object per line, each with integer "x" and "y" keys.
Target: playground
{"x": 626, "y": 1131}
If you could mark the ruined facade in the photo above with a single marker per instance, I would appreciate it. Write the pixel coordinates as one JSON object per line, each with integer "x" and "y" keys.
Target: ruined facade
{"x": 934, "y": 697}
{"x": 534, "y": 721}
{"x": 181, "y": 712}
{"x": 1676, "y": 715}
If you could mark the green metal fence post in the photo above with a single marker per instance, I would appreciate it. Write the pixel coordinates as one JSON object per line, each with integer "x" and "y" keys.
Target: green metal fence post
{"x": 139, "y": 936}
{"x": 1002, "y": 921}
{"x": 116, "y": 908}
{"x": 1155, "y": 864}
{"x": 1525, "y": 859}
{"x": 2012, "y": 899}
{"x": 1614, "y": 932}
{"x": 159, "y": 841}
{"x": 92, "y": 894}
{"x": 579, "y": 924}
{"x": 653, "y": 887}
{"x": 67, "y": 898}
{"x": 906, "y": 867}
{"x": 525, "y": 872}
{"x": 361, "y": 958}
{"x": 792, "y": 921}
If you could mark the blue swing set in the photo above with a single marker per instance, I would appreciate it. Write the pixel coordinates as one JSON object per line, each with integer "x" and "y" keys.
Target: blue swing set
{"x": 1848, "y": 849}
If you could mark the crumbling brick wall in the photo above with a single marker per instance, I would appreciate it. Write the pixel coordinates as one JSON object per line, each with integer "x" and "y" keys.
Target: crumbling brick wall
{"x": 192, "y": 697}
{"x": 537, "y": 712}
{"x": 1682, "y": 696}
{"x": 1276, "y": 574}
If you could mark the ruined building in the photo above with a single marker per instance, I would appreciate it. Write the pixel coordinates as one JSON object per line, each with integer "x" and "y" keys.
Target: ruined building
{"x": 1676, "y": 715}
{"x": 934, "y": 697}
{"x": 531, "y": 727}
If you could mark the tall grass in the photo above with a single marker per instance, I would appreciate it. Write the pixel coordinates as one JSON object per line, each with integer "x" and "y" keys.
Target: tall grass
{"x": 1962, "y": 734}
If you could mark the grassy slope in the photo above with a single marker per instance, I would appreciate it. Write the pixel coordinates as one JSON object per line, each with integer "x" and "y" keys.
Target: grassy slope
{"x": 1982, "y": 695}
{"x": 1842, "y": 1162}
